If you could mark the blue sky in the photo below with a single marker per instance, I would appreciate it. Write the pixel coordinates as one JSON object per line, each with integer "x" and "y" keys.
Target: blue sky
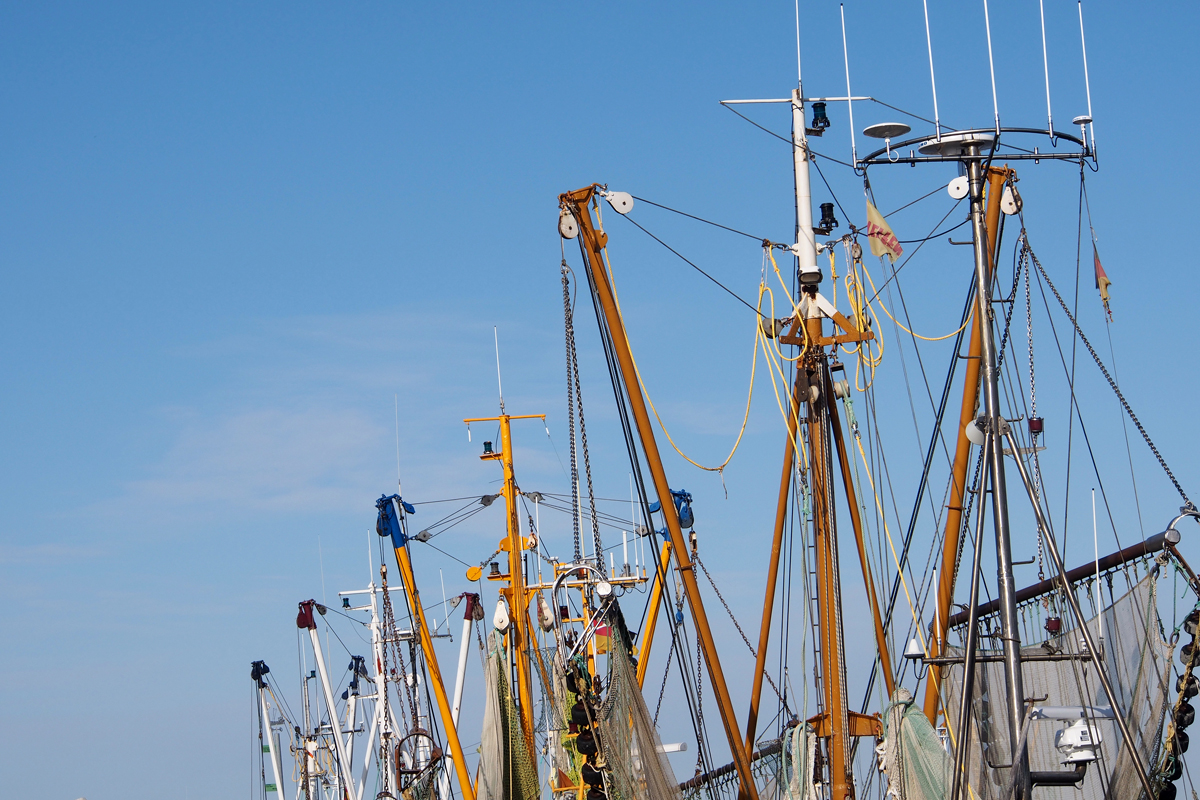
{"x": 236, "y": 237}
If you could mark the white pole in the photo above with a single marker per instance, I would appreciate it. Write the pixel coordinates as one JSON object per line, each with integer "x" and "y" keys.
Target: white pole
{"x": 461, "y": 678}
{"x": 807, "y": 245}
{"x": 351, "y": 724}
{"x": 849, "y": 94}
{"x": 273, "y": 750}
{"x": 370, "y": 754}
{"x": 1086, "y": 83}
{"x": 625, "y": 550}
{"x": 987, "y": 22}
{"x": 937, "y": 122}
{"x": 1046, "y": 67}
{"x": 331, "y": 708}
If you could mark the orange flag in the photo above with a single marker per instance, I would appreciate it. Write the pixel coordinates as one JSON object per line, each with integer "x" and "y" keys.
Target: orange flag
{"x": 1102, "y": 282}
{"x": 883, "y": 241}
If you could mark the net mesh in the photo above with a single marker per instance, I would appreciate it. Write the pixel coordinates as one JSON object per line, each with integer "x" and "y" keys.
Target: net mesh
{"x": 638, "y": 768}
{"x": 506, "y": 770}
{"x": 917, "y": 765}
{"x": 1138, "y": 662}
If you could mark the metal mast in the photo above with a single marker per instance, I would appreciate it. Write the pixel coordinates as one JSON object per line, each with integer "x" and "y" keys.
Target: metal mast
{"x": 1010, "y": 630}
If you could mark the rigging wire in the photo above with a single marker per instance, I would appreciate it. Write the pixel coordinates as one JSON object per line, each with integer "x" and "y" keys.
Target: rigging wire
{"x": 1112, "y": 384}
{"x": 729, "y": 291}
{"x": 698, "y": 219}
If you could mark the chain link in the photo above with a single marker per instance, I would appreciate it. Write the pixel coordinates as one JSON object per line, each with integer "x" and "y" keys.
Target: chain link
{"x": 391, "y": 636}
{"x": 569, "y": 327}
{"x": 666, "y": 674}
{"x": 742, "y": 633}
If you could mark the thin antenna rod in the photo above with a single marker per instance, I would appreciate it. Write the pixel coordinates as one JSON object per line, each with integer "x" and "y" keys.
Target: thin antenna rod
{"x": 1046, "y": 67}
{"x": 499, "y": 385}
{"x": 849, "y": 94}
{"x": 987, "y": 22}
{"x": 397, "y": 399}
{"x": 799, "y": 77}
{"x": 1086, "y": 83}
{"x": 937, "y": 121}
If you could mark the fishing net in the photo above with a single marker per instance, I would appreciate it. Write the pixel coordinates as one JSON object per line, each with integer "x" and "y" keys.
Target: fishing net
{"x": 639, "y": 769}
{"x": 917, "y": 765}
{"x": 506, "y": 770}
{"x": 767, "y": 767}
{"x": 1138, "y": 662}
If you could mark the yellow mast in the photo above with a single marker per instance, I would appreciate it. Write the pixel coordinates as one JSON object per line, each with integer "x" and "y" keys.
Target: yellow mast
{"x": 435, "y": 674}
{"x": 593, "y": 244}
{"x": 520, "y": 635}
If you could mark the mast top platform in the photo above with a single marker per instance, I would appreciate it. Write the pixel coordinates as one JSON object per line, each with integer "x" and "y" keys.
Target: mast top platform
{"x": 954, "y": 145}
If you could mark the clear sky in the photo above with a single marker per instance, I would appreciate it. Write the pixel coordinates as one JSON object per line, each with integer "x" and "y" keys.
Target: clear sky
{"x": 237, "y": 238}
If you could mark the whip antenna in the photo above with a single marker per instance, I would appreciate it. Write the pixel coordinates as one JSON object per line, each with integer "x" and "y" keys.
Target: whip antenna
{"x": 499, "y": 385}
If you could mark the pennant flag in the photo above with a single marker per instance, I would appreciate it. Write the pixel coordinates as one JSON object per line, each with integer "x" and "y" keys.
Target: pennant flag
{"x": 883, "y": 241}
{"x": 1102, "y": 282}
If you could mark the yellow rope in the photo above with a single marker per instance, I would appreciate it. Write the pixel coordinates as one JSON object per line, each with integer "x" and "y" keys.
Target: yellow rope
{"x": 642, "y": 384}
{"x": 776, "y": 368}
{"x": 903, "y": 581}
{"x": 906, "y": 330}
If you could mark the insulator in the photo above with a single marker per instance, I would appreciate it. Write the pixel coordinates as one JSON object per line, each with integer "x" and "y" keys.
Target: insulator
{"x": 585, "y": 743}
{"x": 1185, "y": 715}
{"x": 592, "y": 776}
{"x": 1185, "y": 654}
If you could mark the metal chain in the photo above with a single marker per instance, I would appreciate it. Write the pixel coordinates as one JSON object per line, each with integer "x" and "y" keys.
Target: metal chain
{"x": 569, "y": 328}
{"x": 391, "y": 635}
{"x": 666, "y": 674}
{"x": 574, "y": 382}
{"x": 1112, "y": 384}
{"x": 1037, "y": 464}
{"x": 749, "y": 646}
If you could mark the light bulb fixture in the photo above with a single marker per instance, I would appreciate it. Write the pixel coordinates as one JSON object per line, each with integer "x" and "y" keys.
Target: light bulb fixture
{"x": 820, "y": 121}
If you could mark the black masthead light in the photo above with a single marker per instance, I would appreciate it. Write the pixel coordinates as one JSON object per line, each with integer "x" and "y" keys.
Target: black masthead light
{"x": 828, "y": 221}
{"x": 819, "y": 121}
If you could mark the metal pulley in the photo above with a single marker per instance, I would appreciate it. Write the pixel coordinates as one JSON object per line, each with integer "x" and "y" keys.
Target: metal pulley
{"x": 568, "y": 228}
